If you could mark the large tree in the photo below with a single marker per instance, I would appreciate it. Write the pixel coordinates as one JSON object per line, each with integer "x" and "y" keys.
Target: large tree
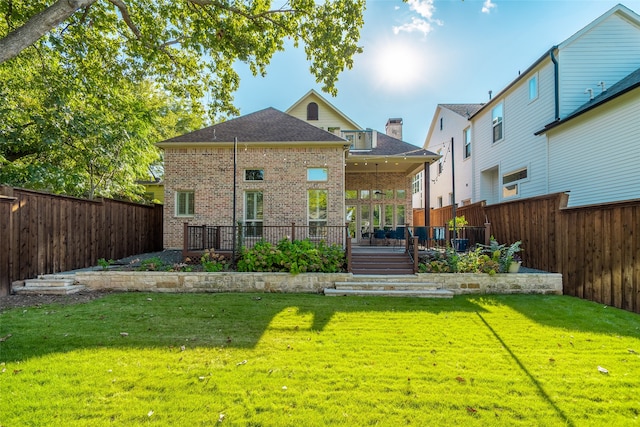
{"x": 87, "y": 86}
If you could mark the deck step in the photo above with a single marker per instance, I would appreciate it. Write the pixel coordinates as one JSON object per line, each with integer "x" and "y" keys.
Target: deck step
{"x": 420, "y": 293}
{"x": 382, "y": 263}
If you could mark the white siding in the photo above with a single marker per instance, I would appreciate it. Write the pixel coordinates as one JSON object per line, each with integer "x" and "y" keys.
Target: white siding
{"x": 608, "y": 52}
{"x": 596, "y": 156}
{"x": 441, "y": 185}
{"x": 519, "y": 147}
{"x": 327, "y": 116}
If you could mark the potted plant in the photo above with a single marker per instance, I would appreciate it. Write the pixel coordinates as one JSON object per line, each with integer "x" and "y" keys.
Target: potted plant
{"x": 514, "y": 265}
{"x": 507, "y": 256}
{"x": 458, "y": 244}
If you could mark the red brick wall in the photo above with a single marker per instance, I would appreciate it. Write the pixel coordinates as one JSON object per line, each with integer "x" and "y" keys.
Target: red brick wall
{"x": 209, "y": 173}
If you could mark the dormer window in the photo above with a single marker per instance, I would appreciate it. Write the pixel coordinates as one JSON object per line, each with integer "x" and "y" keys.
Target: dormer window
{"x": 312, "y": 111}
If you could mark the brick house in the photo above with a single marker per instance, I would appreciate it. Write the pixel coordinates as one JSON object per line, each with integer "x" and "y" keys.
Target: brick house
{"x": 288, "y": 171}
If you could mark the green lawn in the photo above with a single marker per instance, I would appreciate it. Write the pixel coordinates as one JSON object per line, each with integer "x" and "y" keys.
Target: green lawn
{"x": 309, "y": 360}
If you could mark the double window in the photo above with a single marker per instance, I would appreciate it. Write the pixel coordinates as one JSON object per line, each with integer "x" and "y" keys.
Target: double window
{"x": 253, "y": 213}
{"x": 317, "y": 212}
{"x": 185, "y": 203}
{"x": 497, "y": 122}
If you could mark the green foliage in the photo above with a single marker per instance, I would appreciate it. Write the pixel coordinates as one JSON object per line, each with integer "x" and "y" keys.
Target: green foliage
{"x": 450, "y": 261}
{"x": 104, "y": 263}
{"x": 461, "y": 221}
{"x": 213, "y": 262}
{"x": 502, "y": 253}
{"x": 81, "y": 108}
{"x": 298, "y": 256}
{"x": 153, "y": 264}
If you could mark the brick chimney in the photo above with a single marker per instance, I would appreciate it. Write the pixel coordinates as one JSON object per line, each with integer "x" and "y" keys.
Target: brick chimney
{"x": 394, "y": 128}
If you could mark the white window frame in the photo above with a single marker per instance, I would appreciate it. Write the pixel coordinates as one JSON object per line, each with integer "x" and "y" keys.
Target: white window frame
{"x": 466, "y": 139}
{"x": 253, "y": 226}
{"x": 497, "y": 120}
{"x": 322, "y": 177}
{"x": 532, "y": 87}
{"x": 317, "y": 225}
{"x": 253, "y": 169}
{"x": 189, "y": 203}
{"x": 511, "y": 187}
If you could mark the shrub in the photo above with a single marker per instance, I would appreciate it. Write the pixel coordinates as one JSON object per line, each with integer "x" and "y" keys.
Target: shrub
{"x": 298, "y": 256}
{"x": 152, "y": 264}
{"x": 213, "y": 262}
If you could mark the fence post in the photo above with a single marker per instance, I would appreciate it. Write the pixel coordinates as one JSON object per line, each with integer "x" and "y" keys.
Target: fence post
{"x": 487, "y": 233}
{"x": 185, "y": 239}
{"x": 293, "y": 231}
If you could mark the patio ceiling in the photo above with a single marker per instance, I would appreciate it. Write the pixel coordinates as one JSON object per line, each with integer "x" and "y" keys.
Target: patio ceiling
{"x": 363, "y": 163}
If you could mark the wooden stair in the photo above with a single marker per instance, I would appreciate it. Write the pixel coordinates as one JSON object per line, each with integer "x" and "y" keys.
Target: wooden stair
{"x": 374, "y": 285}
{"x": 387, "y": 263}
{"x": 50, "y": 284}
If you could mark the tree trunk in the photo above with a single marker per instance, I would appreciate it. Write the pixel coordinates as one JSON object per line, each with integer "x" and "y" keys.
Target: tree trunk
{"x": 36, "y": 27}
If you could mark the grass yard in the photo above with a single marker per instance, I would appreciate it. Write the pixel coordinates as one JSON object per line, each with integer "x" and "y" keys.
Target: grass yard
{"x": 309, "y": 360}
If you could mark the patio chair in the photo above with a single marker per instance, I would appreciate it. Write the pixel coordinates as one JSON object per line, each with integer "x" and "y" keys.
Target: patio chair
{"x": 421, "y": 234}
{"x": 379, "y": 234}
{"x": 398, "y": 235}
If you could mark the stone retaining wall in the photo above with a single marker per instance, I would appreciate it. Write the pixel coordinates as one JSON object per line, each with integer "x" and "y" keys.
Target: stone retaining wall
{"x": 460, "y": 283}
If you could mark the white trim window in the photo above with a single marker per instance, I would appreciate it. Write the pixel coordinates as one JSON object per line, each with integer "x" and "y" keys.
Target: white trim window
{"x": 254, "y": 174}
{"x": 417, "y": 183}
{"x": 497, "y": 120}
{"x": 318, "y": 174}
{"x": 533, "y": 87}
{"x": 185, "y": 203}
{"x": 440, "y": 162}
{"x": 317, "y": 212}
{"x": 253, "y": 213}
{"x": 511, "y": 182}
{"x": 466, "y": 138}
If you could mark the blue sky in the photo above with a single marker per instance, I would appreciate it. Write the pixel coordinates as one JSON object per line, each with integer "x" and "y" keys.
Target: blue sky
{"x": 443, "y": 51}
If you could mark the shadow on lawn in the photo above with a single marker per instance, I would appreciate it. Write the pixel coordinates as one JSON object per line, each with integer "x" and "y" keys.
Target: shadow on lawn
{"x": 141, "y": 320}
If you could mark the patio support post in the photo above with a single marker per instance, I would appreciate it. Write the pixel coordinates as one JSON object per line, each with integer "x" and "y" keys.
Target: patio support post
{"x": 348, "y": 247}
{"x": 185, "y": 240}
{"x": 415, "y": 254}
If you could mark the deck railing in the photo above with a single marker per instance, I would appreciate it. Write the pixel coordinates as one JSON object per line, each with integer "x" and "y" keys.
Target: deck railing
{"x": 227, "y": 239}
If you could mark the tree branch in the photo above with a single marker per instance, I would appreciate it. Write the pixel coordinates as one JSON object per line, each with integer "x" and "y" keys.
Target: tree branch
{"x": 36, "y": 27}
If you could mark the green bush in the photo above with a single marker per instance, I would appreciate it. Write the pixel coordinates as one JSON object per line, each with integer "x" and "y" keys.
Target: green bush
{"x": 298, "y": 256}
{"x": 213, "y": 262}
{"x": 477, "y": 261}
{"x": 152, "y": 264}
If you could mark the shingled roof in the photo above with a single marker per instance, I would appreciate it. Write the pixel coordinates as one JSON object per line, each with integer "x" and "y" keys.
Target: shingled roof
{"x": 268, "y": 125}
{"x": 464, "y": 110}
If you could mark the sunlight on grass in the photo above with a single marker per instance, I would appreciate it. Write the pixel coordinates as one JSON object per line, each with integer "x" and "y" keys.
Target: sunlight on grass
{"x": 274, "y": 359}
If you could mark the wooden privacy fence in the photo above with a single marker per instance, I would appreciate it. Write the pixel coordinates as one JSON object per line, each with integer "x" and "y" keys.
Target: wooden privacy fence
{"x": 596, "y": 248}
{"x": 44, "y": 233}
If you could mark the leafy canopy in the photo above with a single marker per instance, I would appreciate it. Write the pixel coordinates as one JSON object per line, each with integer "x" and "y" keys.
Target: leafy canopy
{"x": 87, "y": 86}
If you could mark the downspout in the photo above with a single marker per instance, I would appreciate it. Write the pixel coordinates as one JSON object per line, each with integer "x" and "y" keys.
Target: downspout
{"x": 427, "y": 194}
{"x": 556, "y": 83}
{"x": 556, "y": 98}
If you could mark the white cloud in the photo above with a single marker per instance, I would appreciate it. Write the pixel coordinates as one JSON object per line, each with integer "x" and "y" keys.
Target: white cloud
{"x": 416, "y": 24}
{"x": 425, "y": 9}
{"x": 487, "y": 6}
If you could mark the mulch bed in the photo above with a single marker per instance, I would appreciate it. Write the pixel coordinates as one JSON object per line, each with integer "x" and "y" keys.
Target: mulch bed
{"x": 16, "y": 301}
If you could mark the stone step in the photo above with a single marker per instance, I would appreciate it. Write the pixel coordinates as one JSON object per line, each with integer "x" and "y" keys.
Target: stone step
{"x": 385, "y": 285}
{"x": 52, "y": 284}
{"x": 427, "y": 293}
